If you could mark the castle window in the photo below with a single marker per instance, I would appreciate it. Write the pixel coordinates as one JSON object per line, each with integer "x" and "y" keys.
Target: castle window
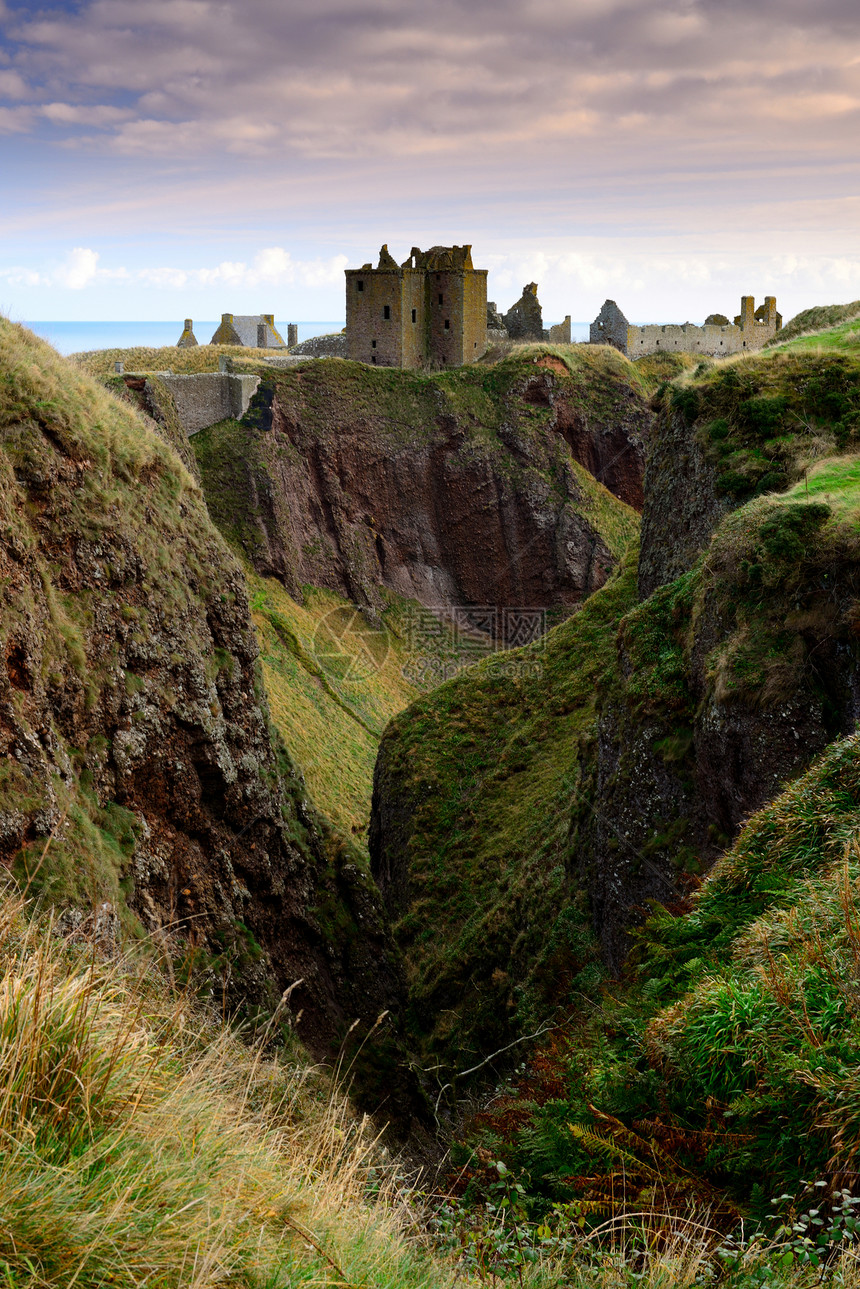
{"x": 359, "y": 286}
{"x": 440, "y": 297}
{"x": 447, "y": 324}
{"x": 373, "y": 359}
{"x": 373, "y": 344}
{"x": 414, "y": 315}
{"x": 386, "y": 311}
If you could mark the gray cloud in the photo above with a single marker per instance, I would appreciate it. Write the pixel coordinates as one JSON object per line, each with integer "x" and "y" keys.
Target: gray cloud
{"x": 550, "y": 78}
{"x": 567, "y": 118}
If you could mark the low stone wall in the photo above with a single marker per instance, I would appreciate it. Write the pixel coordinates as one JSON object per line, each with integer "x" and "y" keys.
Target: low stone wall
{"x": 333, "y": 346}
{"x": 205, "y": 398}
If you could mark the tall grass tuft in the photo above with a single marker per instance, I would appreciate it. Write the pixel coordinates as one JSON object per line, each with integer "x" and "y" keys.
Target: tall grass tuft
{"x": 142, "y": 1143}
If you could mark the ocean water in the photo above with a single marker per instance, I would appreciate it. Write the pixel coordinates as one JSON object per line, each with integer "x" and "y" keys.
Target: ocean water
{"x": 77, "y": 337}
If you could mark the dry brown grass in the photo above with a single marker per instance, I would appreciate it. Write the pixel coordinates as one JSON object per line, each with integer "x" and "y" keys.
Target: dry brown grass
{"x": 143, "y": 1142}
{"x": 100, "y": 362}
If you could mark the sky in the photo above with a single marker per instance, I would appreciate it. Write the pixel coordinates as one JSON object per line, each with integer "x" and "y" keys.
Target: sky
{"x": 170, "y": 158}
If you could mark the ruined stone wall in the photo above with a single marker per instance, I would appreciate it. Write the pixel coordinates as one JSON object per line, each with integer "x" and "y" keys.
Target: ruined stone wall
{"x": 751, "y": 330}
{"x": 414, "y": 339}
{"x": 610, "y": 327}
{"x": 444, "y": 296}
{"x": 559, "y": 334}
{"x": 205, "y": 398}
{"x": 713, "y": 341}
{"x": 474, "y": 315}
{"x": 371, "y": 336}
{"x": 524, "y": 320}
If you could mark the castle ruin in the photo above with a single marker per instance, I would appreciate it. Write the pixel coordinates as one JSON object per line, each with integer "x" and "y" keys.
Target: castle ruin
{"x": 751, "y": 329}
{"x": 430, "y": 310}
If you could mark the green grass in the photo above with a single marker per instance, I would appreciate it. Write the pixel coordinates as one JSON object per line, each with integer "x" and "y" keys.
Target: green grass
{"x": 836, "y": 482}
{"x": 763, "y": 419}
{"x": 334, "y": 681}
{"x": 656, "y": 370}
{"x": 813, "y": 324}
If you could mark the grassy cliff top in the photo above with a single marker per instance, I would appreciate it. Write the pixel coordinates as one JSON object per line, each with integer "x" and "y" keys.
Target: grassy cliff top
{"x": 764, "y": 418}
{"x": 820, "y": 319}
{"x": 569, "y": 359}
{"x": 199, "y": 358}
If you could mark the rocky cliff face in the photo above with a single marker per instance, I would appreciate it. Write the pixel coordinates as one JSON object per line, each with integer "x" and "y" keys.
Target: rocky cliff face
{"x": 681, "y": 506}
{"x": 455, "y": 489}
{"x": 738, "y": 665}
{"x": 717, "y": 705}
{"x": 137, "y": 764}
{"x": 741, "y": 663}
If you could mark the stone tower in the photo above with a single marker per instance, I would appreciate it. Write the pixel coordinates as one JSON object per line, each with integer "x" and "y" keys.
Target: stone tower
{"x": 429, "y": 311}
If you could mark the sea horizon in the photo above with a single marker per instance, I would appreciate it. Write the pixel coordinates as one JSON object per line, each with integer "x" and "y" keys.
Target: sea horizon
{"x": 81, "y": 337}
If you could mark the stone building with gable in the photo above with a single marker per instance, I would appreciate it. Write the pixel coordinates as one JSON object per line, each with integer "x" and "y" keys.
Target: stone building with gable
{"x": 429, "y": 311}
{"x": 751, "y": 329}
{"x": 253, "y": 330}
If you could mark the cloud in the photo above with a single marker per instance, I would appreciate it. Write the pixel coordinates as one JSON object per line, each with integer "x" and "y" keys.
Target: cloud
{"x": 385, "y": 79}
{"x": 347, "y": 122}
{"x": 272, "y": 266}
{"x": 79, "y": 269}
{"x": 82, "y": 114}
{"x": 15, "y": 120}
{"x": 13, "y": 85}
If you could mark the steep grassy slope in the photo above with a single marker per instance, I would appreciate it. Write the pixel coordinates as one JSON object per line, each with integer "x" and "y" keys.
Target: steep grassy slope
{"x": 734, "y": 676}
{"x": 144, "y": 1143}
{"x": 826, "y": 322}
{"x": 469, "y": 833}
{"x": 137, "y": 763}
{"x": 334, "y": 680}
{"x": 744, "y": 427}
{"x": 726, "y": 1063}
